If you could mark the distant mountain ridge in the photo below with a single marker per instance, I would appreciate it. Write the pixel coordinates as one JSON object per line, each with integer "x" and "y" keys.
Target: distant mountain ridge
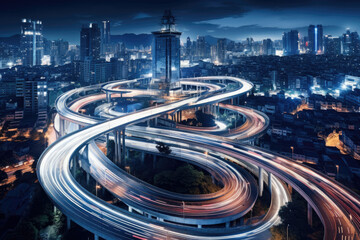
{"x": 132, "y": 40}
{"x": 11, "y": 40}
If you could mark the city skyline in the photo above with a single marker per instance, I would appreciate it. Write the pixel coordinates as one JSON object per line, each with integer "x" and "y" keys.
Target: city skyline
{"x": 235, "y": 20}
{"x": 214, "y": 124}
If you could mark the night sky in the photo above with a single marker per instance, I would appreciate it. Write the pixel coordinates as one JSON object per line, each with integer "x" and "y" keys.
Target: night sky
{"x": 234, "y": 19}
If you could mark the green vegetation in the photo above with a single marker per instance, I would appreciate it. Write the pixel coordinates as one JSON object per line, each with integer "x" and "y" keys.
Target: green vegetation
{"x": 201, "y": 120}
{"x": 185, "y": 179}
{"x": 3, "y": 176}
{"x": 294, "y": 215}
{"x": 170, "y": 174}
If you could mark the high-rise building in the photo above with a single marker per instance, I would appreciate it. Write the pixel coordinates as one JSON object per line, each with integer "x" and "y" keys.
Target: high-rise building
{"x": 291, "y": 43}
{"x": 90, "y": 41}
{"x": 58, "y": 51}
{"x": 350, "y": 43}
{"x": 332, "y": 45}
{"x": 201, "y": 47}
{"x": 188, "y": 48}
{"x": 315, "y": 39}
{"x": 221, "y": 50}
{"x": 31, "y": 42}
{"x": 267, "y": 47}
{"x": 105, "y": 36}
{"x": 166, "y": 54}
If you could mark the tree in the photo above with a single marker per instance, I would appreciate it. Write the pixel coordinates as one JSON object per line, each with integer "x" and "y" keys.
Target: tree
{"x": 206, "y": 120}
{"x": 3, "y": 175}
{"x": 294, "y": 215}
{"x": 18, "y": 174}
{"x": 163, "y": 148}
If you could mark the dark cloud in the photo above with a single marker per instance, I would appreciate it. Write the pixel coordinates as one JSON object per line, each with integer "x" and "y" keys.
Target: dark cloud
{"x": 63, "y": 19}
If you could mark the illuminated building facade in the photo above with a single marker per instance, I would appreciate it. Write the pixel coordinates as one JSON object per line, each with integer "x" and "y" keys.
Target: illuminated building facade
{"x": 31, "y": 42}
{"x": 166, "y": 55}
{"x": 90, "y": 40}
{"x": 315, "y": 36}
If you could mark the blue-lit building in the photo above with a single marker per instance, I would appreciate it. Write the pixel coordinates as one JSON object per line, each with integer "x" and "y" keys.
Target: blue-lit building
{"x": 166, "y": 55}
{"x": 291, "y": 43}
{"x": 31, "y": 42}
{"x": 316, "y": 40}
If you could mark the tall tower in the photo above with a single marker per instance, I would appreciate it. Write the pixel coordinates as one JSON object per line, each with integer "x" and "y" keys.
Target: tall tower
{"x": 166, "y": 55}
{"x": 31, "y": 42}
{"x": 90, "y": 41}
{"x": 315, "y": 36}
{"x": 105, "y": 36}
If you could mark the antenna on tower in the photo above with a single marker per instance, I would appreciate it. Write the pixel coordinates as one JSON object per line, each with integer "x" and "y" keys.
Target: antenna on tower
{"x": 168, "y": 21}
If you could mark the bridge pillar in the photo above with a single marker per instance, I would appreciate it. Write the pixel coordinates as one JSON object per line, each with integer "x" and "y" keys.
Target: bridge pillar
{"x": 232, "y": 101}
{"x": 130, "y": 209}
{"x": 87, "y": 178}
{"x": 68, "y": 223}
{"x": 199, "y": 226}
{"x": 62, "y": 127}
{"x": 96, "y": 237}
{"x": 261, "y": 182}
{"x": 108, "y": 97}
{"x": 154, "y": 161}
{"x": 227, "y": 224}
{"x": 269, "y": 181}
{"x": 142, "y": 157}
{"x": 309, "y": 214}
{"x": 123, "y": 144}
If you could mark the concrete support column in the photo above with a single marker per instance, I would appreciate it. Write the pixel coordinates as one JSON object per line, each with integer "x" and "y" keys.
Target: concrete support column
{"x": 155, "y": 121}
{"x": 68, "y": 223}
{"x": 96, "y": 237}
{"x": 123, "y": 144}
{"x": 269, "y": 181}
{"x": 130, "y": 209}
{"x": 107, "y": 138}
{"x": 116, "y": 153}
{"x": 227, "y": 225}
{"x": 261, "y": 182}
{"x": 108, "y": 97}
{"x": 142, "y": 157}
{"x": 309, "y": 214}
{"x": 232, "y": 101}
{"x": 62, "y": 127}
{"x": 87, "y": 178}
{"x": 154, "y": 161}
{"x": 199, "y": 226}
{"x": 55, "y": 209}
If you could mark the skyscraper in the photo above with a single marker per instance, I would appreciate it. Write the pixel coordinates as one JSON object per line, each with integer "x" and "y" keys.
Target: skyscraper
{"x": 105, "y": 36}
{"x": 291, "y": 43}
{"x": 332, "y": 45}
{"x": 90, "y": 41}
{"x": 350, "y": 43}
{"x": 166, "y": 54}
{"x": 221, "y": 50}
{"x": 267, "y": 47}
{"x": 31, "y": 42}
{"x": 315, "y": 38}
{"x": 201, "y": 47}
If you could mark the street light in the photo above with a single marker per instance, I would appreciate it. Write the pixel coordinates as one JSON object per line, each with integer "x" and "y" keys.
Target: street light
{"x": 287, "y": 232}
{"x": 292, "y": 152}
{"x": 96, "y": 188}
